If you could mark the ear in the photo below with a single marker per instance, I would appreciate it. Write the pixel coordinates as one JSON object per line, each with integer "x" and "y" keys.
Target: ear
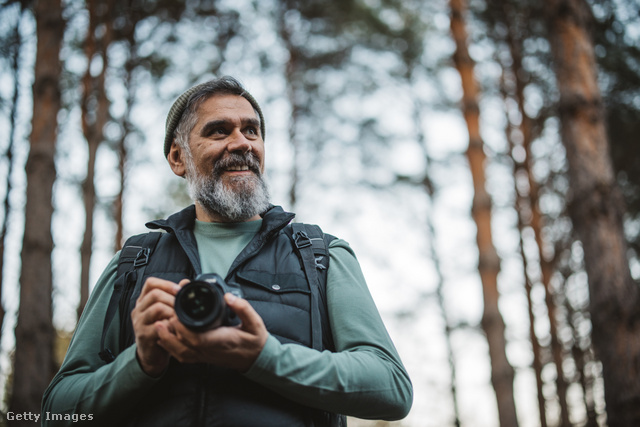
{"x": 176, "y": 160}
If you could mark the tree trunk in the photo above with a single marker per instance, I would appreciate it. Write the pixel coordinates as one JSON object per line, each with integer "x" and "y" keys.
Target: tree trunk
{"x": 15, "y": 49}
{"x": 536, "y": 221}
{"x": 291, "y": 78}
{"x": 596, "y": 209}
{"x": 34, "y": 358}
{"x": 427, "y": 185}
{"x": 95, "y": 114}
{"x": 128, "y": 36}
{"x": 502, "y": 373}
{"x": 523, "y": 207}
{"x": 118, "y": 204}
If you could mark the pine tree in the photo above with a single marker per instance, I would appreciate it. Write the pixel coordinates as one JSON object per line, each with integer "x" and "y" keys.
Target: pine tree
{"x": 34, "y": 358}
{"x": 597, "y": 209}
{"x": 502, "y": 373}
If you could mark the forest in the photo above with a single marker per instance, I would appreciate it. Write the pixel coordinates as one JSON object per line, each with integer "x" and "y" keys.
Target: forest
{"x": 481, "y": 156}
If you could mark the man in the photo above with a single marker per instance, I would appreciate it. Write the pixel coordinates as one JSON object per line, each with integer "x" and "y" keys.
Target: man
{"x": 302, "y": 354}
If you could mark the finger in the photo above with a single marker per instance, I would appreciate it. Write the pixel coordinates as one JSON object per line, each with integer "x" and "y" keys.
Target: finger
{"x": 152, "y": 313}
{"x": 184, "y": 334}
{"x": 153, "y": 297}
{"x": 155, "y": 283}
{"x": 172, "y": 344}
{"x": 251, "y": 320}
{"x": 163, "y": 330}
{"x": 155, "y": 289}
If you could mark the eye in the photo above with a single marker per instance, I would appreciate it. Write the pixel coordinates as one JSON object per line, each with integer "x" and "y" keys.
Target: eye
{"x": 251, "y": 130}
{"x": 216, "y": 131}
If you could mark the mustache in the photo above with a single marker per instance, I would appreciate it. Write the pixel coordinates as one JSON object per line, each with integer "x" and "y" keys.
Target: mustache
{"x": 249, "y": 160}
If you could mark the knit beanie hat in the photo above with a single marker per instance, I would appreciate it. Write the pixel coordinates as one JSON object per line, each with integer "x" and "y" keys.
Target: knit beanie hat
{"x": 180, "y": 105}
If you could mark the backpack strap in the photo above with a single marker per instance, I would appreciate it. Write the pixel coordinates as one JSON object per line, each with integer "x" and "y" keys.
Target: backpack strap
{"x": 132, "y": 262}
{"x": 312, "y": 249}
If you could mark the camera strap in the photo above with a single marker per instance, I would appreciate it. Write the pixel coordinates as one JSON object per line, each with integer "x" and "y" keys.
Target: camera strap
{"x": 131, "y": 265}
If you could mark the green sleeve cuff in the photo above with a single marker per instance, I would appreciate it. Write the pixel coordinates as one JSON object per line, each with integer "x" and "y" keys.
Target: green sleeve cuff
{"x": 133, "y": 369}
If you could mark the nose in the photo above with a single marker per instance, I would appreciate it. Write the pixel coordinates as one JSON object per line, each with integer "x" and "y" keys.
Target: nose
{"x": 239, "y": 143}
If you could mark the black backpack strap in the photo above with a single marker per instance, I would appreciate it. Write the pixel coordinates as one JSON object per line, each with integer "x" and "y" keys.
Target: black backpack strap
{"x": 312, "y": 249}
{"x": 132, "y": 262}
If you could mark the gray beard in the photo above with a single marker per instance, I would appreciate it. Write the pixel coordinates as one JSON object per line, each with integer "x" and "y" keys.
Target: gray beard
{"x": 239, "y": 200}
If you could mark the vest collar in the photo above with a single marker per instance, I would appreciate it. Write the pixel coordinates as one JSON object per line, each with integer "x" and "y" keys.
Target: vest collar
{"x": 181, "y": 223}
{"x": 274, "y": 218}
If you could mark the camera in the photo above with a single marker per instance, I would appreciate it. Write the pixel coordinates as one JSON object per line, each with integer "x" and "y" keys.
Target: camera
{"x": 200, "y": 304}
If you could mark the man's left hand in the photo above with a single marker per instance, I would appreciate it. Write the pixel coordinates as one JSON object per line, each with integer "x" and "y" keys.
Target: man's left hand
{"x": 230, "y": 347}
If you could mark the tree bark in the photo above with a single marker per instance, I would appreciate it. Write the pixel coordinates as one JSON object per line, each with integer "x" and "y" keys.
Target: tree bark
{"x": 596, "y": 209}
{"x": 95, "y": 114}
{"x": 502, "y": 373}
{"x": 34, "y": 358}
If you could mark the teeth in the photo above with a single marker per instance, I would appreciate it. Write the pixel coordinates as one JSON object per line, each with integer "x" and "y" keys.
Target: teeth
{"x": 238, "y": 168}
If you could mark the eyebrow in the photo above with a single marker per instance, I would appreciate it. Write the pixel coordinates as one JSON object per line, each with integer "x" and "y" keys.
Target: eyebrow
{"x": 213, "y": 124}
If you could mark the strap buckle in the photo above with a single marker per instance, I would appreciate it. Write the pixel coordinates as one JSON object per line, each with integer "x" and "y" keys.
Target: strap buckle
{"x": 302, "y": 240}
{"x": 142, "y": 258}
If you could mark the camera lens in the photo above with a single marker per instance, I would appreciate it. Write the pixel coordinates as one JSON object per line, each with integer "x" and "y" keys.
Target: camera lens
{"x": 198, "y": 301}
{"x": 200, "y": 306}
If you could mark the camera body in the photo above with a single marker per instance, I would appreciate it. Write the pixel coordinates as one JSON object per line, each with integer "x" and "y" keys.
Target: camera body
{"x": 200, "y": 304}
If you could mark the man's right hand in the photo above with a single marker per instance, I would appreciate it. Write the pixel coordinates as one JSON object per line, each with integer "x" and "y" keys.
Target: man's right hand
{"x": 154, "y": 304}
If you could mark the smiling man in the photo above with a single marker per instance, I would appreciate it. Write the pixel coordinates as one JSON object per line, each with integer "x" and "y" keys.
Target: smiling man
{"x": 301, "y": 343}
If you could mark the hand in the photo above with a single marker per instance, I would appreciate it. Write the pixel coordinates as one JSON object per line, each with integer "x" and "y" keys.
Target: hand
{"x": 229, "y": 347}
{"x": 154, "y": 304}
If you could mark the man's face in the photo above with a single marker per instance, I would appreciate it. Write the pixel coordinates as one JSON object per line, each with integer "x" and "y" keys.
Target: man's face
{"x": 226, "y": 161}
{"x": 226, "y": 124}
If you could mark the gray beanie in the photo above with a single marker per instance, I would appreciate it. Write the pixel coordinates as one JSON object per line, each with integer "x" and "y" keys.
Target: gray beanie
{"x": 180, "y": 105}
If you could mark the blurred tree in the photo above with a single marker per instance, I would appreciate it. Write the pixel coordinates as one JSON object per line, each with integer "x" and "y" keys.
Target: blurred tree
{"x": 523, "y": 206}
{"x": 597, "y": 208}
{"x": 127, "y": 128}
{"x": 12, "y": 43}
{"x": 299, "y": 23}
{"x": 413, "y": 33}
{"x": 129, "y": 15}
{"x": 618, "y": 56}
{"x": 320, "y": 38}
{"x": 510, "y": 23}
{"x": 502, "y": 373}
{"x": 94, "y": 105}
{"x": 34, "y": 358}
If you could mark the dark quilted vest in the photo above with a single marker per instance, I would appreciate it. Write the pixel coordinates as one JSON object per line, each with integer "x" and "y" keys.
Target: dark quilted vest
{"x": 273, "y": 281}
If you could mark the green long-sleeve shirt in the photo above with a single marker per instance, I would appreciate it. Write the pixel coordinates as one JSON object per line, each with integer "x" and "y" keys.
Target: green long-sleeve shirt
{"x": 363, "y": 378}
